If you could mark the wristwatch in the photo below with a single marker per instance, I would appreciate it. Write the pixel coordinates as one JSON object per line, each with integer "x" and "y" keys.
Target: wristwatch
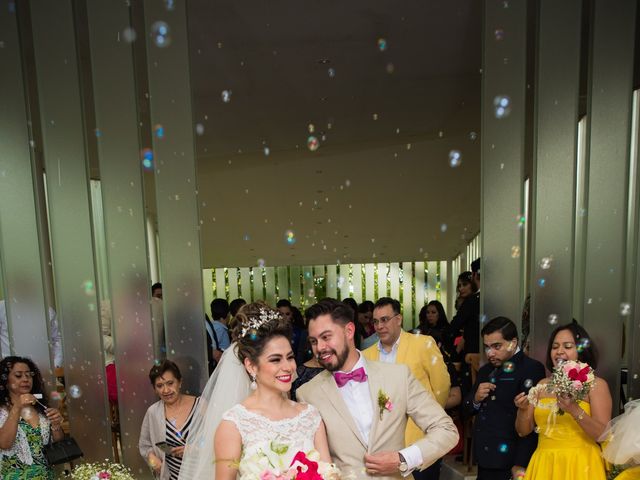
{"x": 403, "y": 467}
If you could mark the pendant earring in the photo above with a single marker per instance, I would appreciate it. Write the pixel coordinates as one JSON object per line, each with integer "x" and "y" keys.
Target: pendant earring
{"x": 253, "y": 385}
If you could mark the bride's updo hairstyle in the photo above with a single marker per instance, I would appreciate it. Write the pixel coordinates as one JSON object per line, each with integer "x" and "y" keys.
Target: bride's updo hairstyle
{"x": 255, "y": 324}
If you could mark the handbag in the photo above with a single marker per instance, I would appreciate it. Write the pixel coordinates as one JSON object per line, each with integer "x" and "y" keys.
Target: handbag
{"x": 62, "y": 451}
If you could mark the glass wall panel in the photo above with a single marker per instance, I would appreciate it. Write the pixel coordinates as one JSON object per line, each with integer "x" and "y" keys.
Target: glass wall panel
{"x": 61, "y": 117}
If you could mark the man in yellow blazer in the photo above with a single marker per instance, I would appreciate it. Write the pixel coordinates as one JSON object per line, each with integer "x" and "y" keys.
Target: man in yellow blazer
{"x": 419, "y": 352}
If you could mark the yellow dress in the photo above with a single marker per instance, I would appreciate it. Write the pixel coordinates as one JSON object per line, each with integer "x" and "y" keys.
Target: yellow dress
{"x": 564, "y": 451}
{"x": 629, "y": 474}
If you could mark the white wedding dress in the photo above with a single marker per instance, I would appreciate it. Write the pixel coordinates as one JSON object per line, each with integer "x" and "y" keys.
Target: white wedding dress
{"x": 272, "y": 443}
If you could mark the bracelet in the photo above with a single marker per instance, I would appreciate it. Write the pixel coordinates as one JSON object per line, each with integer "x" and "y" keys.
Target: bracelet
{"x": 580, "y": 415}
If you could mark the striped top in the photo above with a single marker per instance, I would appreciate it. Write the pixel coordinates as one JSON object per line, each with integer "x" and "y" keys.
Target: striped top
{"x": 178, "y": 438}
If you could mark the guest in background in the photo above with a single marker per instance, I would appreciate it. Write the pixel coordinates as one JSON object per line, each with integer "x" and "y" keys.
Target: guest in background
{"x": 220, "y": 317}
{"x": 567, "y": 445}
{"x": 306, "y": 370}
{"x": 433, "y": 322}
{"x": 501, "y": 452}
{"x": 234, "y": 306}
{"x": 465, "y": 327}
{"x": 365, "y": 325}
{"x": 27, "y": 424}
{"x": 360, "y": 331}
{"x": 284, "y": 306}
{"x": 166, "y": 424}
{"x": 156, "y": 290}
{"x": 421, "y": 354}
{"x": 298, "y": 335}
{"x": 107, "y": 347}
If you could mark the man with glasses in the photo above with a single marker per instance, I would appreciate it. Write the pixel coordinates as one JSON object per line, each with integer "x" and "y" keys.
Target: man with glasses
{"x": 420, "y": 353}
{"x": 500, "y": 452}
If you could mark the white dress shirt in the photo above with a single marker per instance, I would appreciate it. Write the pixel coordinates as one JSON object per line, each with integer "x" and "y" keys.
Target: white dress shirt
{"x": 389, "y": 357}
{"x": 357, "y": 397}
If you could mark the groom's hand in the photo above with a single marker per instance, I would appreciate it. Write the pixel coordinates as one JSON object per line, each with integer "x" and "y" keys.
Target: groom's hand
{"x": 382, "y": 463}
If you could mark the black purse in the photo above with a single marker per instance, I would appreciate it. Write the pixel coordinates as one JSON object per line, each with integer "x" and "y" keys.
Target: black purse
{"x": 62, "y": 451}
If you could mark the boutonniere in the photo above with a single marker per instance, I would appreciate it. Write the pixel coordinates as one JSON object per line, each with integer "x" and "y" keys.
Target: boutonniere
{"x": 384, "y": 403}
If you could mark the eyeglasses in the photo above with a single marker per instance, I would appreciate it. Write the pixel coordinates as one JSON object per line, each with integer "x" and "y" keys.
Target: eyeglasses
{"x": 383, "y": 320}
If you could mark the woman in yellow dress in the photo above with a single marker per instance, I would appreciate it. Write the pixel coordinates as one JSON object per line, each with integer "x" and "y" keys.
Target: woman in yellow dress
{"x": 567, "y": 442}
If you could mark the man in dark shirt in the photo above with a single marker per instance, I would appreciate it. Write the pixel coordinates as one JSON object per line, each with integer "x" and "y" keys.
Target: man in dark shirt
{"x": 500, "y": 452}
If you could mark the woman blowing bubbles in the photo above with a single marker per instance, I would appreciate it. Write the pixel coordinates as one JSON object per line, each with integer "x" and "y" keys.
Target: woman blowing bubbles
{"x": 26, "y": 423}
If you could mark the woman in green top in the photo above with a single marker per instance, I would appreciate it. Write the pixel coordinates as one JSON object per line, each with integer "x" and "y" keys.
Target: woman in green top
{"x": 26, "y": 422}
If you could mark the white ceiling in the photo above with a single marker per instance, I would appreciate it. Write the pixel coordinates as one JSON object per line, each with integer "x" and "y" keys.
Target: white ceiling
{"x": 380, "y": 187}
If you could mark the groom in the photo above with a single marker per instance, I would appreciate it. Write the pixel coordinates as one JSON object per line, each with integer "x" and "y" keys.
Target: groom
{"x": 365, "y": 405}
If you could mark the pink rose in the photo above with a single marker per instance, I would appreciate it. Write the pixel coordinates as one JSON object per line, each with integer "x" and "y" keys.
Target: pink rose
{"x": 567, "y": 367}
{"x": 267, "y": 475}
{"x": 577, "y": 384}
{"x": 388, "y": 405}
{"x": 105, "y": 475}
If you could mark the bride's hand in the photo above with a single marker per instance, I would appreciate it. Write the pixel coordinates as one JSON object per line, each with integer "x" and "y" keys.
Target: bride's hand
{"x": 382, "y": 463}
{"x": 567, "y": 403}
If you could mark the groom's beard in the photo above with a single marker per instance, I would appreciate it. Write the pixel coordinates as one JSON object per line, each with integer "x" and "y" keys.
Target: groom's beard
{"x": 341, "y": 359}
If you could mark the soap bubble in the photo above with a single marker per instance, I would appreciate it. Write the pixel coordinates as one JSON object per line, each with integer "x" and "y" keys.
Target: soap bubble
{"x": 331, "y": 72}
{"x": 147, "y": 158}
{"x": 75, "y": 391}
{"x": 455, "y": 158}
{"x": 545, "y": 263}
{"x": 443, "y": 227}
{"x": 515, "y": 251}
{"x": 160, "y": 34}
{"x": 473, "y": 136}
{"x": 542, "y": 282}
{"x": 266, "y": 151}
{"x": 199, "y": 129}
{"x": 498, "y": 33}
{"x": 390, "y": 68}
{"x": 225, "y": 95}
{"x": 552, "y": 319}
{"x": 261, "y": 262}
{"x": 312, "y": 143}
{"x": 625, "y": 309}
{"x": 382, "y": 44}
{"x": 508, "y": 367}
{"x": 159, "y": 131}
{"x": 502, "y": 106}
{"x": 290, "y": 237}
{"x": 528, "y": 383}
{"x": 503, "y": 448}
{"x": 129, "y": 35}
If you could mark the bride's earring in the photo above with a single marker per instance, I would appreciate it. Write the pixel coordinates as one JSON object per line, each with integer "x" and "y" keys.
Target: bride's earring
{"x": 254, "y": 385}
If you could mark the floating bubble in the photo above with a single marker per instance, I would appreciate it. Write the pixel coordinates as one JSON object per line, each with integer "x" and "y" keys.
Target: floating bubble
{"x": 129, "y": 35}
{"x": 261, "y": 262}
{"x": 311, "y": 127}
{"x": 552, "y": 319}
{"x": 502, "y": 106}
{"x": 582, "y": 344}
{"x": 374, "y": 116}
{"x": 331, "y": 72}
{"x": 493, "y": 397}
{"x": 290, "y": 237}
{"x": 455, "y": 158}
{"x": 225, "y": 95}
{"x": 537, "y": 429}
{"x": 440, "y": 134}
{"x": 443, "y": 227}
{"x": 503, "y": 448}
{"x": 266, "y": 151}
{"x": 170, "y": 5}
{"x": 382, "y": 44}
{"x": 390, "y": 68}
{"x": 246, "y": 238}
{"x": 313, "y": 143}
{"x": 347, "y": 183}
{"x": 199, "y": 129}
{"x": 542, "y": 282}
{"x": 498, "y": 33}
{"x": 508, "y": 367}
{"x": 528, "y": 383}
{"x": 522, "y": 220}
{"x": 311, "y": 293}
{"x": 55, "y": 396}
{"x": 545, "y": 263}
{"x": 160, "y": 33}
{"x": 473, "y": 136}
{"x": 97, "y": 132}
{"x": 147, "y": 158}
{"x": 515, "y": 251}
{"x": 159, "y": 131}
{"x": 75, "y": 391}
{"x": 88, "y": 288}
{"x": 625, "y": 309}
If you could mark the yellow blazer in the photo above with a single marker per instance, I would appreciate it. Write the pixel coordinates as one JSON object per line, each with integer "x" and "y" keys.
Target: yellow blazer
{"x": 409, "y": 399}
{"x": 422, "y": 355}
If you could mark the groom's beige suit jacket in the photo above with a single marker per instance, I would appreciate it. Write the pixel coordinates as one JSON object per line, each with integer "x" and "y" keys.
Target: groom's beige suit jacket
{"x": 409, "y": 399}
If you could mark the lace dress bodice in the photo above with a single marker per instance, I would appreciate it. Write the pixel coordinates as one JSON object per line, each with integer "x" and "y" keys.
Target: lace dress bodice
{"x": 272, "y": 442}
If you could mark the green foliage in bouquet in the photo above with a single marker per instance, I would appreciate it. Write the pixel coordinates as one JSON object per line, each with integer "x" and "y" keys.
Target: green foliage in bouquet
{"x": 100, "y": 471}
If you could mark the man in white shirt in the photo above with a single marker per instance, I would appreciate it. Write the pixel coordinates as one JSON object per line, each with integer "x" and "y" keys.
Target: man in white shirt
{"x": 54, "y": 336}
{"x": 365, "y": 405}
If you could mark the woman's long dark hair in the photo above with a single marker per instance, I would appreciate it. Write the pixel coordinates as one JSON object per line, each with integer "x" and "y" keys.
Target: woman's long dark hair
{"x": 442, "y": 323}
{"x": 6, "y": 365}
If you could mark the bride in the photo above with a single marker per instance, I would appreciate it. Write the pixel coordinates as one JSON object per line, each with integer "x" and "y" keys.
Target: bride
{"x": 226, "y": 441}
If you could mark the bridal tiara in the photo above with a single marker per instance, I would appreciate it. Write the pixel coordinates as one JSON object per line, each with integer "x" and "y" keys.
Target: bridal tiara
{"x": 252, "y": 325}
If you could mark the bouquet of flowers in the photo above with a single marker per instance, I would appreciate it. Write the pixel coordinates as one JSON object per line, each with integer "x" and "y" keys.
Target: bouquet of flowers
{"x": 100, "y": 471}
{"x": 571, "y": 379}
{"x": 270, "y": 464}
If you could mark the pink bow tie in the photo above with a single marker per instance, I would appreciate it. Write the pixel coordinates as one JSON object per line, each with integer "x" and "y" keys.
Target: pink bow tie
{"x": 358, "y": 375}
